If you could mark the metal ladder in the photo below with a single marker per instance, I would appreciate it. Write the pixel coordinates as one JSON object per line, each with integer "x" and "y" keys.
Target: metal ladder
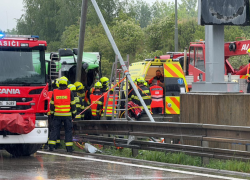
{"x": 54, "y": 66}
{"x": 117, "y": 75}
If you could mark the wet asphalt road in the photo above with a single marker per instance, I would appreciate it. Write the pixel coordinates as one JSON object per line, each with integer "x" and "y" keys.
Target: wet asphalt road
{"x": 46, "y": 166}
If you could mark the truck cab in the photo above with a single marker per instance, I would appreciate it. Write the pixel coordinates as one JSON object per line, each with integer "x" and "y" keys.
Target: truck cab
{"x": 23, "y": 94}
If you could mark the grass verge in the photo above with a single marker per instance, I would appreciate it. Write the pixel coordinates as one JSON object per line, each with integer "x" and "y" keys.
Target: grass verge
{"x": 174, "y": 158}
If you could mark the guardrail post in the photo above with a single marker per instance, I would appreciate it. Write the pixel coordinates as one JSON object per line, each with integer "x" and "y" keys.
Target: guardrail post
{"x": 247, "y": 147}
{"x": 134, "y": 151}
{"x": 105, "y": 146}
{"x": 205, "y": 160}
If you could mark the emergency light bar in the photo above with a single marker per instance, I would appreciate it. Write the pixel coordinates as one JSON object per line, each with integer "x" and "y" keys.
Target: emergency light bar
{"x": 20, "y": 36}
{"x": 1, "y": 35}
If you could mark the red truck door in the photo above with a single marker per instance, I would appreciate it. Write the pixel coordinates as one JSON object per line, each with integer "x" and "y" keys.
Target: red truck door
{"x": 197, "y": 62}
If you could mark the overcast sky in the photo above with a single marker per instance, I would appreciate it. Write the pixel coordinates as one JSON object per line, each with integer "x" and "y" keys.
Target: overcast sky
{"x": 12, "y": 9}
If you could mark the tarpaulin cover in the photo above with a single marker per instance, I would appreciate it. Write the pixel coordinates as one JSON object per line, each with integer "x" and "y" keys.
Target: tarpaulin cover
{"x": 15, "y": 123}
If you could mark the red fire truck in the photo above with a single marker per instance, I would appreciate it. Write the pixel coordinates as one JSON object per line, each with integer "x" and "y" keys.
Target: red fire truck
{"x": 23, "y": 94}
{"x": 195, "y": 63}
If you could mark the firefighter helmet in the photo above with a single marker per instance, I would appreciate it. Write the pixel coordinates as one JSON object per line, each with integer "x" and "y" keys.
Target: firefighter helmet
{"x": 98, "y": 85}
{"x": 140, "y": 80}
{"x": 72, "y": 87}
{"x": 79, "y": 86}
{"x": 56, "y": 82}
{"x": 63, "y": 80}
{"x": 104, "y": 80}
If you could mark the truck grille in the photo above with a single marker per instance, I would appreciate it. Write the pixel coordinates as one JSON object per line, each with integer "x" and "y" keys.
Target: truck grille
{"x": 15, "y": 99}
{"x": 18, "y": 107}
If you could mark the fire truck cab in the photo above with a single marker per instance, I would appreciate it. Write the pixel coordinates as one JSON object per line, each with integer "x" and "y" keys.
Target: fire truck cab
{"x": 23, "y": 94}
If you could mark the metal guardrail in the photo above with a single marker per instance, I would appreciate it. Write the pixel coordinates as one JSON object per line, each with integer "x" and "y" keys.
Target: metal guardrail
{"x": 174, "y": 130}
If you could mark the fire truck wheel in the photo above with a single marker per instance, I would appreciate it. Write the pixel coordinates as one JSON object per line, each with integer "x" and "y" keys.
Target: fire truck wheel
{"x": 22, "y": 149}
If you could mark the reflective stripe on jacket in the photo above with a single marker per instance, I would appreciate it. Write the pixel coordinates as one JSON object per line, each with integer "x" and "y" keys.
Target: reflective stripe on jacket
{"x": 157, "y": 96}
{"x": 79, "y": 106}
{"x": 62, "y": 101}
{"x": 95, "y": 108}
{"x": 110, "y": 105}
{"x": 145, "y": 94}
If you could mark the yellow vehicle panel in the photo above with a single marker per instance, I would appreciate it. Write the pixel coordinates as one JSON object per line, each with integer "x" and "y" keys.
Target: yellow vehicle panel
{"x": 173, "y": 75}
{"x": 139, "y": 69}
{"x": 172, "y": 104}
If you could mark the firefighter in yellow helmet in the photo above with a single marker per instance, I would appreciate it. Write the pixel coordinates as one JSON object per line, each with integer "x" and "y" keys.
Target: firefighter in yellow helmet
{"x": 96, "y": 101}
{"x": 62, "y": 109}
{"x": 105, "y": 83}
{"x": 79, "y": 102}
{"x": 144, "y": 92}
{"x": 84, "y": 94}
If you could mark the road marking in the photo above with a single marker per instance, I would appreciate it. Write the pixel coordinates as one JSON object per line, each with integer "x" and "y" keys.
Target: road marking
{"x": 141, "y": 166}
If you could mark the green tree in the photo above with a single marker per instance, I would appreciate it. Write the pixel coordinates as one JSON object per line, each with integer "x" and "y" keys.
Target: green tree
{"x": 70, "y": 37}
{"x": 162, "y": 9}
{"x": 187, "y": 9}
{"x": 189, "y": 31}
{"x": 128, "y": 36}
{"x": 159, "y": 34}
{"x": 147, "y": 55}
{"x": 143, "y": 13}
{"x": 39, "y": 19}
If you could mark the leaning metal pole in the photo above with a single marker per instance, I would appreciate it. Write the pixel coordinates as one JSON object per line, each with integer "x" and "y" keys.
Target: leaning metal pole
{"x": 111, "y": 40}
{"x": 81, "y": 40}
{"x": 176, "y": 28}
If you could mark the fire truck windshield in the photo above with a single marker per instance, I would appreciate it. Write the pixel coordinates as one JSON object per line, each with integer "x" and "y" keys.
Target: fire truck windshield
{"x": 20, "y": 67}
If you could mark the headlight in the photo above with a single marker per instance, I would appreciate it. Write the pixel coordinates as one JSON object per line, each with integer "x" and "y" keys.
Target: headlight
{"x": 41, "y": 123}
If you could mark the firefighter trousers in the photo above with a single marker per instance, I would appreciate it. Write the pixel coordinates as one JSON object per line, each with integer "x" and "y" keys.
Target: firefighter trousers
{"x": 248, "y": 87}
{"x": 57, "y": 123}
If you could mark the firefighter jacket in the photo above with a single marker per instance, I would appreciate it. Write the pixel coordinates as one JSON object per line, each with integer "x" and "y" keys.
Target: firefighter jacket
{"x": 85, "y": 96}
{"x": 50, "y": 96}
{"x": 145, "y": 94}
{"x": 79, "y": 106}
{"x": 104, "y": 89}
{"x": 156, "y": 96}
{"x": 62, "y": 102}
{"x": 130, "y": 93}
{"x": 110, "y": 104}
{"x": 97, "y": 106}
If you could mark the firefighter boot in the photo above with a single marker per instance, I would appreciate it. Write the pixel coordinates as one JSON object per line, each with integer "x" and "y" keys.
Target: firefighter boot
{"x": 51, "y": 147}
{"x": 69, "y": 148}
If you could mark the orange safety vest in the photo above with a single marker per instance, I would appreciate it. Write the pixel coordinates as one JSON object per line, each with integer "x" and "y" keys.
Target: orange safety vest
{"x": 156, "y": 96}
{"x": 93, "y": 98}
{"x": 110, "y": 105}
{"x": 62, "y": 99}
